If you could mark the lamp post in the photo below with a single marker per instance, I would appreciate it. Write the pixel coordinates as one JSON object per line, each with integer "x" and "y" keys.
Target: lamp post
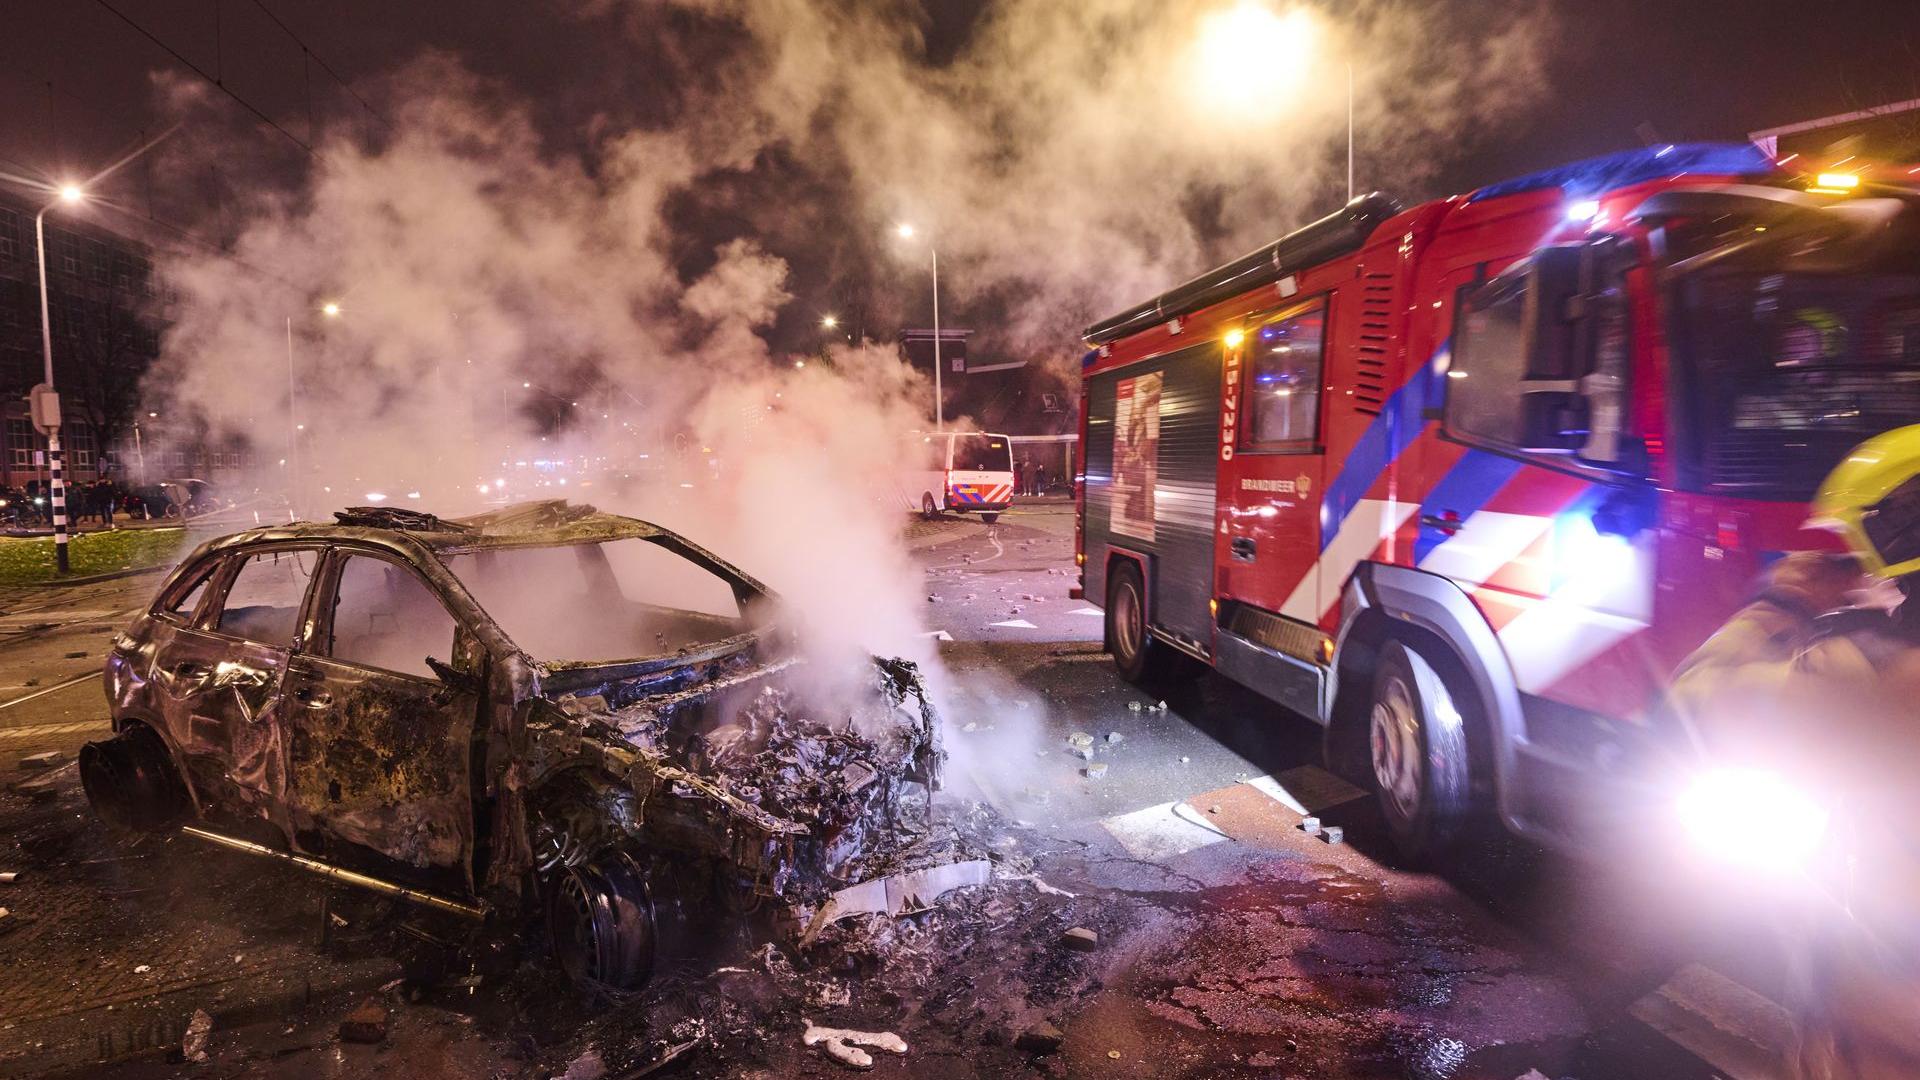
{"x": 69, "y": 193}
{"x": 939, "y": 398}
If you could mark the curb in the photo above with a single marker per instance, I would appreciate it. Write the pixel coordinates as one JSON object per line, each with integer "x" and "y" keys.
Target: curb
{"x": 90, "y": 579}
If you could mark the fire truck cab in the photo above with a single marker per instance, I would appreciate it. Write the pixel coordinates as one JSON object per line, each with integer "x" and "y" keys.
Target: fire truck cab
{"x": 1465, "y": 482}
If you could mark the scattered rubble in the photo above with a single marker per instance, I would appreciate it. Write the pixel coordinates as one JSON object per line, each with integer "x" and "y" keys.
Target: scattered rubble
{"x": 843, "y": 1045}
{"x": 588, "y": 1066}
{"x": 45, "y": 759}
{"x": 1114, "y": 737}
{"x": 1096, "y": 771}
{"x": 1080, "y": 939}
{"x": 1134, "y": 706}
{"x": 367, "y": 1024}
{"x": 1081, "y": 743}
{"x": 193, "y": 1044}
{"x": 1041, "y": 1038}
{"x": 9, "y": 877}
{"x": 1334, "y": 834}
{"x": 1310, "y": 825}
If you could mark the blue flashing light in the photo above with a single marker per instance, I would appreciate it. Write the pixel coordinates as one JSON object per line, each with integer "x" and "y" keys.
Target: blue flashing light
{"x": 1595, "y": 176}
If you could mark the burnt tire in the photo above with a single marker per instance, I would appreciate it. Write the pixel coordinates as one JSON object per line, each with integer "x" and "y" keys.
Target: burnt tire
{"x": 1139, "y": 657}
{"x": 600, "y": 917}
{"x": 928, "y": 508}
{"x": 131, "y": 783}
{"x": 1417, "y": 746}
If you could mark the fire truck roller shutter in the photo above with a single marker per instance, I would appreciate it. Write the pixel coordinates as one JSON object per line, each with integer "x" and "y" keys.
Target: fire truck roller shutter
{"x": 1381, "y": 601}
{"x": 1152, "y": 445}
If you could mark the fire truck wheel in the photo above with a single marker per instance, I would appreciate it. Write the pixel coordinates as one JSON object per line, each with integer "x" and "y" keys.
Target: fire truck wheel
{"x": 1417, "y": 743}
{"x": 1139, "y": 657}
{"x": 928, "y": 509}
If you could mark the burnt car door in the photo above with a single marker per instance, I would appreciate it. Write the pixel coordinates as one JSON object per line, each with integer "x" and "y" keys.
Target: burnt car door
{"x": 379, "y": 745}
{"x": 220, "y": 677}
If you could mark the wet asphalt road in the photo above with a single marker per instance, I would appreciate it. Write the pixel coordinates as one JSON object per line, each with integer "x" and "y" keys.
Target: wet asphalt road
{"x": 1233, "y": 944}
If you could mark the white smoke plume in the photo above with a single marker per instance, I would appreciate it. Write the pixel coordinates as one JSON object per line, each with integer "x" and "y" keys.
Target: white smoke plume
{"x": 509, "y": 295}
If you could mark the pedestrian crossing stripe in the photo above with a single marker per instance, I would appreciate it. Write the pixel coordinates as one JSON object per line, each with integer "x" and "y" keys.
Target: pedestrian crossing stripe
{"x": 38, "y": 731}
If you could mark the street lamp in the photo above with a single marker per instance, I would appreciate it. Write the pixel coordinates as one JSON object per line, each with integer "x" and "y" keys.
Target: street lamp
{"x": 939, "y": 398}
{"x": 331, "y": 309}
{"x": 830, "y": 321}
{"x": 69, "y": 193}
{"x": 1242, "y": 56}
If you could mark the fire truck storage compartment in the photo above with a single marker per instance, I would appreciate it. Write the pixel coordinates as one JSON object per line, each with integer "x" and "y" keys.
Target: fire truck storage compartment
{"x": 1164, "y": 505}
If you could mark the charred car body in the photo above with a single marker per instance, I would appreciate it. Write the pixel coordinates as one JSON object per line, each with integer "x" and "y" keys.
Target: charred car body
{"x": 285, "y": 694}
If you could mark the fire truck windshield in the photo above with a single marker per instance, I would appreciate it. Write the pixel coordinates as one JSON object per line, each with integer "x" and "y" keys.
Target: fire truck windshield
{"x": 1778, "y": 373}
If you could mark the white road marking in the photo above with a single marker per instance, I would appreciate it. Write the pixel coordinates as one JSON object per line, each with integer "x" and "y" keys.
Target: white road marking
{"x": 36, "y": 731}
{"x": 1159, "y": 832}
{"x": 938, "y": 635}
{"x": 1095, "y": 612}
{"x": 1741, "y": 1033}
{"x": 1017, "y": 624}
{"x": 1174, "y": 828}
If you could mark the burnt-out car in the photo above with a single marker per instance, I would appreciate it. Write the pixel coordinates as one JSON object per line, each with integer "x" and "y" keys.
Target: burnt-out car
{"x": 544, "y": 709}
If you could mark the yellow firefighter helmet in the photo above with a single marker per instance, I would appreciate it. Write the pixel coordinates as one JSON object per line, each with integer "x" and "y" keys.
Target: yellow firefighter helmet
{"x": 1873, "y": 500}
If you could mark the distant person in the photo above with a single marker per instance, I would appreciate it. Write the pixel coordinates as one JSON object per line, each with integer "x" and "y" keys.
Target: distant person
{"x": 1020, "y": 477}
{"x": 1040, "y": 480}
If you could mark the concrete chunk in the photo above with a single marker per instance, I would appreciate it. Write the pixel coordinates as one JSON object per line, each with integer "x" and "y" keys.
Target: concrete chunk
{"x": 1080, "y": 939}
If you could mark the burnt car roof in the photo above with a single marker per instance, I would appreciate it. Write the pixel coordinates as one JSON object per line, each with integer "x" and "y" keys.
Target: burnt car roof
{"x": 532, "y": 524}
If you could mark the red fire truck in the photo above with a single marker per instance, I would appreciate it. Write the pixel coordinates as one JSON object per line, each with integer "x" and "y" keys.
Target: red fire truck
{"x": 1464, "y": 482}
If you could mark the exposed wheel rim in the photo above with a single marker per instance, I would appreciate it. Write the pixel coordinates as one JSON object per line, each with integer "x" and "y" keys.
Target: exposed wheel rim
{"x": 1128, "y": 622}
{"x": 602, "y": 925}
{"x": 927, "y": 509}
{"x": 1393, "y": 739}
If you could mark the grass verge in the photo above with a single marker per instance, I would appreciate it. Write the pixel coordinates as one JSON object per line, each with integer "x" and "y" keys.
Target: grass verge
{"x": 30, "y": 561}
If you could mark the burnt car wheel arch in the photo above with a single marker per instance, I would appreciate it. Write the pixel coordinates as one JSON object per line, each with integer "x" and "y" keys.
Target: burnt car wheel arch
{"x": 131, "y": 781}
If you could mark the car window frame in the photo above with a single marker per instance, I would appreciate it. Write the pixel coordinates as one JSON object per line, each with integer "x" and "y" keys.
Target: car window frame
{"x": 329, "y": 579}
{"x": 208, "y": 573}
{"x": 207, "y": 621}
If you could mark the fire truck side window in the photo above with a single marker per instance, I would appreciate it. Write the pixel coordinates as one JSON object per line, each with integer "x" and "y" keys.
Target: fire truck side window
{"x": 1489, "y": 360}
{"x": 1284, "y": 362}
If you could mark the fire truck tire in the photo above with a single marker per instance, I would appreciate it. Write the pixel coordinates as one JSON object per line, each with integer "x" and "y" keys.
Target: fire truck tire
{"x": 928, "y": 508}
{"x": 1417, "y": 746}
{"x": 1139, "y": 657}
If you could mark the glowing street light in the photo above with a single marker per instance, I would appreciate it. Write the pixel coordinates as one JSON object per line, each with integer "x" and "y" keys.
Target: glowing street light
{"x": 830, "y": 321}
{"x": 71, "y": 193}
{"x": 939, "y": 398}
{"x": 1248, "y": 60}
{"x": 331, "y": 309}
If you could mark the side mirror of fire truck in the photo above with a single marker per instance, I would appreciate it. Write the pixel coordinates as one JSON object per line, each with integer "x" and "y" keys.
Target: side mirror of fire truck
{"x": 1573, "y": 396}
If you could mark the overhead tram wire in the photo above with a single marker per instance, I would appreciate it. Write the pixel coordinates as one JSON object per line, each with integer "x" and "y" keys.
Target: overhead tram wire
{"x": 308, "y": 52}
{"x": 211, "y": 81}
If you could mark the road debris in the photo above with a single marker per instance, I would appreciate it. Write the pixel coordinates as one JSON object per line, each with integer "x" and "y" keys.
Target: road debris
{"x": 1041, "y": 1038}
{"x": 1114, "y": 737}
{"x": 142, "y": 969}
{"x": 1081, "y": 743}
{"x": 365, "y": 1024}
{"x": 843, "y": 1045}
{"x": 588, "y": 1066}
{"x": 1134, "y": 706}
{"x": 193, "y": 1043}
{"x": 1334, "y": 834}
{"x": 897, "y": 894}
{"x": 1096, "y": 771}
{"x": 1310, "y": 825}
{"x": 1080, "y": 939}
{"x": 9, "y": 877}
{"x": 45, "y": 759}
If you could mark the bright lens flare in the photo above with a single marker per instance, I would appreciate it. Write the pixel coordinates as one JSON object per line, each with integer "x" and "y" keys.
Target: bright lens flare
{"x": 70, "y": 193}
{"x": 1752, "y": 818}
{"x": 1247, "y": 58}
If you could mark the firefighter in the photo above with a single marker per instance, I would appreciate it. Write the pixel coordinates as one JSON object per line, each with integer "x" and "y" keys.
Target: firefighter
{"x": 1828, "y": 693}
